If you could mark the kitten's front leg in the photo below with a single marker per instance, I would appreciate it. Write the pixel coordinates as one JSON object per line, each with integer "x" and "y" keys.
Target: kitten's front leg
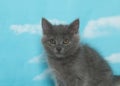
{"x": 79, "y": 82}
{"x": 59, "y": 83}
{"x": 74, "y": 82}
{"x": 70, "y": 83}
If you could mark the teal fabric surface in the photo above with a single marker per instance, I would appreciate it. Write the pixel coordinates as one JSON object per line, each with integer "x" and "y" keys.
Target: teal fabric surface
{"x": 22, "y": 58}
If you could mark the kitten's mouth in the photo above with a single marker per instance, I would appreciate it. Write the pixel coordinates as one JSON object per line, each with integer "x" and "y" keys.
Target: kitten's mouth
{"x": 59, "y": 55}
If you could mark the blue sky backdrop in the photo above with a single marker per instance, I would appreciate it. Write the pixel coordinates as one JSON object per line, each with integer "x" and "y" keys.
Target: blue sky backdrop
{"x": 22, "y": 59}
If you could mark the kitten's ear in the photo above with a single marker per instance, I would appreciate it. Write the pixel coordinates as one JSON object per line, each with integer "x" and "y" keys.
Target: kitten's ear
{"x": 46, "y": 25}
{"x": 74, "y": 27}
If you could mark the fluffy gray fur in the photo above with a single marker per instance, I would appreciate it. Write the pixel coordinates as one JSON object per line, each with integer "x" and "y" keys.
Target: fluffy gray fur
{"x": 73, "y": 63}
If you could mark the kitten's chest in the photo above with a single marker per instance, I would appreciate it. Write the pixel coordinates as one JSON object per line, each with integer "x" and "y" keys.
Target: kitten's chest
{"x": 61, "y": 69}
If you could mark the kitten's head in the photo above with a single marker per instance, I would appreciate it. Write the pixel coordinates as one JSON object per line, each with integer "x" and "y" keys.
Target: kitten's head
{"x": 60, "y": 40}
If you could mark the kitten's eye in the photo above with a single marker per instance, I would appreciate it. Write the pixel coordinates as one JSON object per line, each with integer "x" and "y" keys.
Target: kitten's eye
{"x": 66, "y": 41}
{"x": 52, "y": 41}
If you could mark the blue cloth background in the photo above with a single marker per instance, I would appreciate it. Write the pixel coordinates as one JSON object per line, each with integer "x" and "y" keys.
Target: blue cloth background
{"x": 22, "y": 59}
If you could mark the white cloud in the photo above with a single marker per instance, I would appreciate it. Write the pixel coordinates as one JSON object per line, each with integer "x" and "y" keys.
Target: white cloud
{"x": 32, "y": 28}
{"x": 38, "y": 59}
{"x": 114, "y": 58}
{"x": 101, "y": 27}
{"x": 42, "y": 76}
{"x": 27, "y": 28}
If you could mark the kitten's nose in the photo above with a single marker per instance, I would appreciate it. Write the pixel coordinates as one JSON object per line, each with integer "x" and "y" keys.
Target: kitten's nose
{"x": 58, "y": 49}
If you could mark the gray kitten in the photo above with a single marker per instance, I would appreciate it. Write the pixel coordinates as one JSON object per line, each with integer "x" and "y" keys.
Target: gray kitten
{"x": 73, "y": 63}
